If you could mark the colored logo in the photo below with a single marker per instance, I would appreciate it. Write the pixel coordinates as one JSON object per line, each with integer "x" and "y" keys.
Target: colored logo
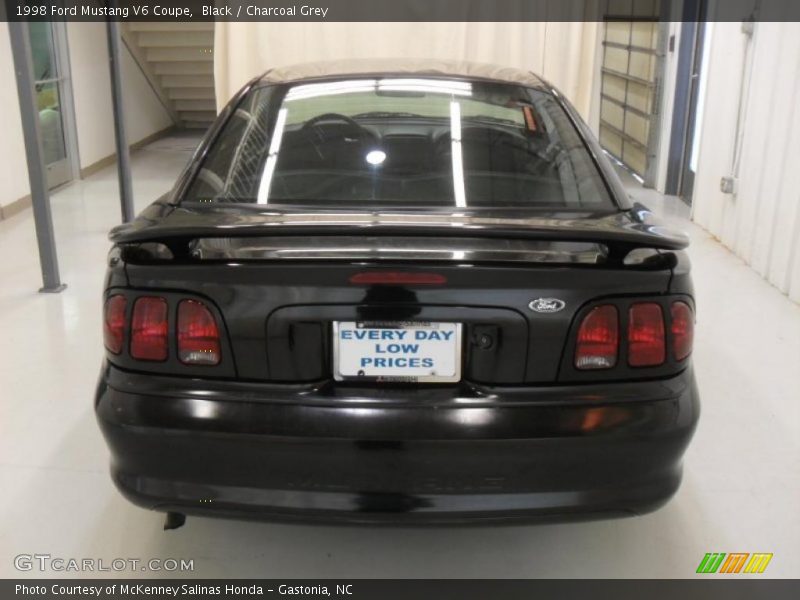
{"x": 735, "y": 562}
{"x": 547, "y": 305}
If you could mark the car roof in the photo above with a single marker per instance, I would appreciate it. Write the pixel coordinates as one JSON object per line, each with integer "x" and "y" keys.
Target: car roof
{"x": 461, "y": 69}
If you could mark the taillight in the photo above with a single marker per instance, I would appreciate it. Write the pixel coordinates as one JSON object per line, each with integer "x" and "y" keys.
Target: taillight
{"x": 646, "y": 346}
{"x": 598, "y": 339}
{"x": 198, "y": 334}
{"x": 114, "y": 323}
{"x": 149, "y": 329}
{"x": 682, "y": 330}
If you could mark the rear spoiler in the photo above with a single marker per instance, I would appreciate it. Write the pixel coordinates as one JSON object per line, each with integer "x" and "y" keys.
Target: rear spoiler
{"x": 186, "y": 230}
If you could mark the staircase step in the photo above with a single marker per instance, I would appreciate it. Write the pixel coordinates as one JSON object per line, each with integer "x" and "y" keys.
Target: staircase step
{"x": 197, "y": 115}
{"x": 184, "y": 68}
{"x": 180, "y": 54}
{"x": 207, "y": 104}
{"x": 176, "y": 39}
{"x": 191, "y": 93}
{"x": 187, "y": 81}
{"x": 195, "y": 124}
{"x": 170, "y": 26}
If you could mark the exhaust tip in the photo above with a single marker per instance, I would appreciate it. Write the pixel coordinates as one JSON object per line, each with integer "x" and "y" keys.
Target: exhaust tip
{"x": 174, "y": 520}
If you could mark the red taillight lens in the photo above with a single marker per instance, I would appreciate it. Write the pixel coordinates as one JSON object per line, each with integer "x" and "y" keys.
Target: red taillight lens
{"x": 149, "y": 337}
{"x": 646, "y": 347}
{"x": 598, "y": 339}
{"x": 682, "y": 330}
{"x": 198, "y": 334}
{"x": 114, "y": 323}
{"x": 396, "y": 278}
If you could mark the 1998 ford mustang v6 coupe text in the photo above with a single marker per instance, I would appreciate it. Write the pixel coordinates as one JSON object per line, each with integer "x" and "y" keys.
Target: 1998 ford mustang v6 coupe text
{"x": 409, "y": 292}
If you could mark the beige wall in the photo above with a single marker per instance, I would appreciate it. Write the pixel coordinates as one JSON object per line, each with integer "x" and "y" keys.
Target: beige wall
{"x": 91, "y": 85}
{"x": 144, "y": 114}
{"x": 564, "y": 53}
{"x": 13, "y": 166}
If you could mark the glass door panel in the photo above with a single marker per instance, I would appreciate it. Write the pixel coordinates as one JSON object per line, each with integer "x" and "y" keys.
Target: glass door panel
{"x": 48, "y": 84}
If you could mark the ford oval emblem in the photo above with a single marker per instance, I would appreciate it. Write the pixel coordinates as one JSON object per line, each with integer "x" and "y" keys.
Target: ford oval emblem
{"x": 547, "y": 305}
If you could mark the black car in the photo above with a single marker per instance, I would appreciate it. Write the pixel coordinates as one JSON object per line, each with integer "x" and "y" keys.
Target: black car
{"x": 405, "y": 292}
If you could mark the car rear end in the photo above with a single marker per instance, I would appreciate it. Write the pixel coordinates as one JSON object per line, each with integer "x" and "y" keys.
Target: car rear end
{"x": 397, "y": 365}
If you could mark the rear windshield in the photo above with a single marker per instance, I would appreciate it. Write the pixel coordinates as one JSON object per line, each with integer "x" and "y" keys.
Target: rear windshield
{"x": 400, "y": 143}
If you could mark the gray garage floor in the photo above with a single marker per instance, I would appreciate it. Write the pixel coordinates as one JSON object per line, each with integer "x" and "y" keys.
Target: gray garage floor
{"x": 741, "y": 491}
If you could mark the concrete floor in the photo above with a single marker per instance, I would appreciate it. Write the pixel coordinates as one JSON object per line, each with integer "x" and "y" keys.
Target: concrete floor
{"x": 741, "y": 491}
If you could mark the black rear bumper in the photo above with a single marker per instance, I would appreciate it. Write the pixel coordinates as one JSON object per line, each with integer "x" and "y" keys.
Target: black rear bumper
{"x": 357, "y": 454}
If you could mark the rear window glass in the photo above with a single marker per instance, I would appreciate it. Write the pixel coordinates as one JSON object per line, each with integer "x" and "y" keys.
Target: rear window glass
{"x": 400, "y": 142}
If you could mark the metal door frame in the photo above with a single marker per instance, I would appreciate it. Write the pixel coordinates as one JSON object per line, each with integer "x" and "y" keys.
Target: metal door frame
{"x": 69, "y": 122}
{"x": 687, "y": 88}
{"x": 63, "y": 81}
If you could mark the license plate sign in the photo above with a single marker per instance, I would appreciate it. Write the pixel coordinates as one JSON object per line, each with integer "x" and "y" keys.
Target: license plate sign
{"x": 393, "y": 351}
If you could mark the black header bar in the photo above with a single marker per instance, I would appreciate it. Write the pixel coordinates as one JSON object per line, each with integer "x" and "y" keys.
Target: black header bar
{"x": 399, "y": 10}
{"x": 399, "y": 589}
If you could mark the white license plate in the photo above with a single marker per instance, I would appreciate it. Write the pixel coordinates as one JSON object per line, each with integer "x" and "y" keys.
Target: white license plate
{"x": 395, "y": 351}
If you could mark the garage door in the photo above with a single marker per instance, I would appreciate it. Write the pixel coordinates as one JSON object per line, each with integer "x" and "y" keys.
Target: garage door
{"x": 631, "y": 73}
